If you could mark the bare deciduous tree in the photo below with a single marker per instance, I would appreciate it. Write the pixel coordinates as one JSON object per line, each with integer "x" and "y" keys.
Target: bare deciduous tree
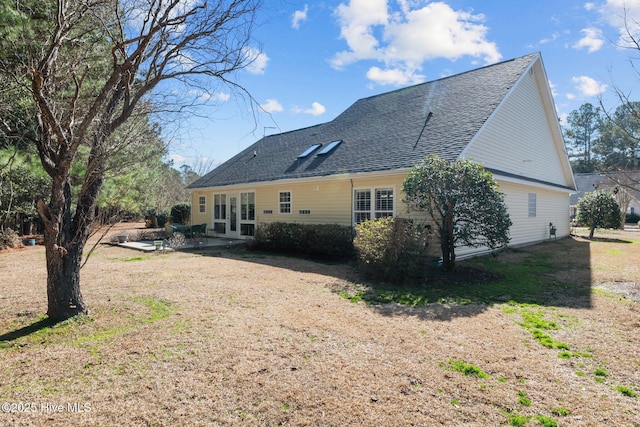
{"x": 103, "y": 62}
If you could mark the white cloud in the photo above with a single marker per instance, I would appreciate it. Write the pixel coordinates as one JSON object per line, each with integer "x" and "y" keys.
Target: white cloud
{"x": 299, "y": 16}
{"x": 404, "y": 39}
{"x": 618, "y": 12}
{"x": 272, "y": 106}
{"x": 589, "y": 6}
{"x": 357, "y": 22}
{"x": 258, "y": 61}
{"x": 553, "y": 37}
{"x": 218, "y": 96}
{"x": 592, "y": 40}
{"x": 588, "y": 86}
{"x": 395, "y": 76}
{"x": 316, "y": 109}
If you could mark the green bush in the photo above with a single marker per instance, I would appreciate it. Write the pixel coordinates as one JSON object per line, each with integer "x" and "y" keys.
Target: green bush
{"x": 155, "y": 219}
{"x": 392, "y": 249}
{"x": 632, "y": 218}
{"x": 180, "y": 213}
{"x": 322, "y": 241}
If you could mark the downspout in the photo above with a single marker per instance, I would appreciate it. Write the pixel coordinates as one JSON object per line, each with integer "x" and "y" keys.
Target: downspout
{"x": 351, "y": 208}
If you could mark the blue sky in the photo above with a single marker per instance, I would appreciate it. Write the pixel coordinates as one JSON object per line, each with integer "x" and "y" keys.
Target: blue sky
{"x": 314, "y": 59}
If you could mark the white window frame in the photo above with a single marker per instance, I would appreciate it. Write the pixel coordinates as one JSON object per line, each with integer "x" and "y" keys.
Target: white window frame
{"x": 285, "y": 204}
{"x": 220, "y": 212}
{"x": 368, "y": 208}
{"x": 247, "y": 212}
{"x": 202, "y": 204}
{"x": 532, "y": 205}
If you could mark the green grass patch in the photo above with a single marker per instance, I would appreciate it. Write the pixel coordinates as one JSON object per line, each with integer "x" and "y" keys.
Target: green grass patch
{"x": 136, "y": 258}
{"x": 99, "y": 336}
{"x": 599, "y": 372}
{"x": 353, "y": 297}
{"x": 479, "y": 280}
{"x": 626, "y": 391}
{"x": 467, "y": 369}
{"x": 57, "y": 331}
{"x": 546, "y": 421}
{"x": 523, "y": 399}
{"x": 159, "y": 308}
{"x": 533, "y": 320}
{"x": 561, "y": 412}
{"x": 516, "y": 420}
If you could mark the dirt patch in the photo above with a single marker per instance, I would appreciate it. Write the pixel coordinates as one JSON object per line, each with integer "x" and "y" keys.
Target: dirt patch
{"x": 630, "y": 290}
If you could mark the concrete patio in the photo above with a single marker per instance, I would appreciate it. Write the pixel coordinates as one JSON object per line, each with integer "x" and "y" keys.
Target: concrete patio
{"x": 149, "y": 245}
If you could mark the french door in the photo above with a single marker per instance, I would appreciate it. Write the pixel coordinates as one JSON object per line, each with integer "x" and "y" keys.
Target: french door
{"x": 234, "y": 214}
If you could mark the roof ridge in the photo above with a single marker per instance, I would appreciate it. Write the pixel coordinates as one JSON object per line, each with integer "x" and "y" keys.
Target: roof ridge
{"x": 532, "y": 55}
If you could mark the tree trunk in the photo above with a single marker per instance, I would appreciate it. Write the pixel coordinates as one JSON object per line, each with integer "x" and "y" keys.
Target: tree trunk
{"x": 64, "y": 240}
{"x": 63, "y": 281}
{"x": 447, "y": 243}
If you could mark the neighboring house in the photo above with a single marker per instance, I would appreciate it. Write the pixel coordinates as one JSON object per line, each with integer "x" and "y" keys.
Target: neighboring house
{"x": 623, "y": 185}
{"x": 352, "y": 168}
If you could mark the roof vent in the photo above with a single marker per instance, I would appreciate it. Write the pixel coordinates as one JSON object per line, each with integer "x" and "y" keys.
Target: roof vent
{"x": 330, "y": 147}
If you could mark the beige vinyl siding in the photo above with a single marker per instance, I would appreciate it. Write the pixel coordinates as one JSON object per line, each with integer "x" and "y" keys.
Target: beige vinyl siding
{"x": 519, "y": 139}
{"x": 327, "y": 202}
{"x": 196, "y": 216}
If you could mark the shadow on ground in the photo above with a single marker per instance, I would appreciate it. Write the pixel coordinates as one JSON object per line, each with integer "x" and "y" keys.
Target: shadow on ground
{"x": 27, "y": 330}
{"x": 552, "y": 273}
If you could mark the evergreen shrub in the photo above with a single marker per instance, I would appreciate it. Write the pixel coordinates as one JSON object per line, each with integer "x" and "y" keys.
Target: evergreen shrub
{"x": 321, "y": 241}
{"x": 393, "y": 249}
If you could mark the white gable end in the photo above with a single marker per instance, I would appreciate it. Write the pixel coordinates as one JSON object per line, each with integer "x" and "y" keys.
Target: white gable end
{"x": 519, "y": 138}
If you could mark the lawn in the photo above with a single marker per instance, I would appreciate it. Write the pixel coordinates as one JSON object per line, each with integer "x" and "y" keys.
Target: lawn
{"x": 543, "y": 335}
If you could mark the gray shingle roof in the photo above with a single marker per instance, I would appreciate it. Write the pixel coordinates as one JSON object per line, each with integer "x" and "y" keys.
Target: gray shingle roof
{"x": 394, "y": 130}
{"x": 589, "y": 182}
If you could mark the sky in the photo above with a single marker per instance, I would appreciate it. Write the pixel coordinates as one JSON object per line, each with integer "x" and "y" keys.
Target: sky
{"x": 314, "y": 59}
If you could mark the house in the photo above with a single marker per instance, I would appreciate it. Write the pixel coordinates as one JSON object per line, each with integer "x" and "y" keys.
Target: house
{"x": 352, "y": 168}
{"x": 623, "y": 184}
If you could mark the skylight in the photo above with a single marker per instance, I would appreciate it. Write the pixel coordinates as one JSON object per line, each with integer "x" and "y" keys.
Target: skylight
{"x": 331, "y": 146}
{"x": 308, "y": 151}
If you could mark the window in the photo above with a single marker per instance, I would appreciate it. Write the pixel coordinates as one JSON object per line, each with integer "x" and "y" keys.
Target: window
{"x": 247, "y": 229}
{"x": 362, "y": 205}
{"x": 532, "y": 205}
{"x": 308, "y": 151}
{"x": 304, "y": 212}
{"x": 248, "y": 206}
{"x": 247, "y": 213}
{"x": 285, "y": 202}
{"x": 330, "y": 147}
{"x": 220, "y": 206}
{"x": 220, "y": 213}
{"x": 363, "y": 209}
{"x": 202, "y": 204}
{"x": 384, "y": 202}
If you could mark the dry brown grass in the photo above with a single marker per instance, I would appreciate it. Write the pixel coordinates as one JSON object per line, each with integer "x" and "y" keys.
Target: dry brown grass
{"x": 234, "y": 338}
